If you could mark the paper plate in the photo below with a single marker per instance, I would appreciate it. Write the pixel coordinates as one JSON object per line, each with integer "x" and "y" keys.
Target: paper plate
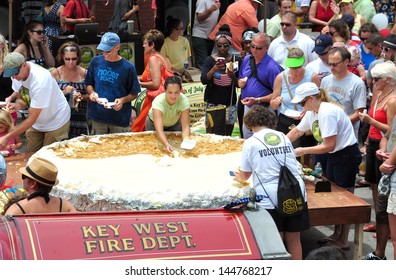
{"x": 292, "y": 113}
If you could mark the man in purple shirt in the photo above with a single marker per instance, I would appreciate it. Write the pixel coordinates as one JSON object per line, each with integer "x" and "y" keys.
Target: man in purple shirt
{"x": 257, "y": 86}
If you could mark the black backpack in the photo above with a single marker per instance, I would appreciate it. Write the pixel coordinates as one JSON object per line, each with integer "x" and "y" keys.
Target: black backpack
{"x": 291, "y": 201}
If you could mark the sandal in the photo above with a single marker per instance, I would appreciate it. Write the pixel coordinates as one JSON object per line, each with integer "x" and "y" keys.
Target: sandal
{"x": 325, "y": 240}
{"x": 369, "y": 228}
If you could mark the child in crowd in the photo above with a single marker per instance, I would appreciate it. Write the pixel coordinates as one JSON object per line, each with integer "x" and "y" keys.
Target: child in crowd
{"x": 356, "y": 65}
{"x": 6, "y": 125}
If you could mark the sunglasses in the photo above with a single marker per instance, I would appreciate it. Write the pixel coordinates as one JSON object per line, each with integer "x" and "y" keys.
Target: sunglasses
{"x": 332, "y": 33}
{"x": 285, "y": 24}
{"x": 363, "y": 39}
{"x": 24, "y": 177}
{"x": 222, "y": 46}
{"x": 39, "y": 32}
{"x": 323, "y": 53}
{"x": 302, "y": 102}
{"x": 253, "y": 46}
{"x": 335, "y": 64}
{"x": 376, "y": 79}
{"x": 70, "y": 58}
{"x": 385, "y": 49}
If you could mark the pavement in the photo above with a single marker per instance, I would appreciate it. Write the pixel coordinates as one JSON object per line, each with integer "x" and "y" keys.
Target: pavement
{"x": 310, "y": 237}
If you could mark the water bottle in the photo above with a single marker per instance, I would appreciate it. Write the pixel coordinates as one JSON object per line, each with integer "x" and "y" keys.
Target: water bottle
{"x": 318, "y": 169}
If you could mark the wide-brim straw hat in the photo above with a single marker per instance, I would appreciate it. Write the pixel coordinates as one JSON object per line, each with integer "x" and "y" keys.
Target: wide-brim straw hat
{"x": 42, "y": 171}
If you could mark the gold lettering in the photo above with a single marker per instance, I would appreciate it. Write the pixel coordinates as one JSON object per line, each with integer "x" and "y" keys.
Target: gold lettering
{"x": 101, "y": 246}
{"x": 159, "y": 228}
{"x": 102, "y": 231}
{"x": 90, "y": 246}
{"x": 174, "y": 240}
{"x": 172, "y": 227}
{"x": 148, "y": 243}
{"x": 127, "y": 243}
{"x": 87, "y": 232}
{"x": 140, "y": 228}
{"x": 115, "y": 229}
{"x": 183, "y": 225}
{"x": 112, "y": 244}
{"x": 187, "y": 239}
{"x": 162, "y": 242}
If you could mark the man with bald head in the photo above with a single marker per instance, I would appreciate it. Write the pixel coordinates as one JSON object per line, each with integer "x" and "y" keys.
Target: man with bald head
{"x": 257, "y": 75}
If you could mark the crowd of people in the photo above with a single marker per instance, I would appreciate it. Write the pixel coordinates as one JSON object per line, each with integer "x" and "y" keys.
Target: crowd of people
{"x": 331, "y": 96}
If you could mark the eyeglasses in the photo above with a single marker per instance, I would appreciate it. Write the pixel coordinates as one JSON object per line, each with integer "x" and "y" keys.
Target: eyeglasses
{"x": 253, "y": 46}
{"x": 385, "y": 49}
{"x": 285, "y": 24}
{"x": 363, "y": 39}
{"x": 70, "y": 58}
{"x": 24, "y": 176}
{"x": 335, "y": 64}
{"x": 332, "y": 33}
{"x": 302, "y": 102}
{"x": 376, "y": 79}
{"x": 222, "y": 46}
{"x": 39, "y": 32}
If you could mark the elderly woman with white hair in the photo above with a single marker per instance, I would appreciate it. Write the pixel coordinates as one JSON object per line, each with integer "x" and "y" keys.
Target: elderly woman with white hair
{"x": 379, "y": 117}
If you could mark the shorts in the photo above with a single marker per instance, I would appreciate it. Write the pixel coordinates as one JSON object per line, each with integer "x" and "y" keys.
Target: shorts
{"x": 373, "y": 175}
{"x": 343, "y": 165}
{"x": 381, "y": 215}
{"x": 392, "y": 204}
{"x": 295, "y": 223}
{"x": 104, "y": 128}
{"x": 37, "y": 139}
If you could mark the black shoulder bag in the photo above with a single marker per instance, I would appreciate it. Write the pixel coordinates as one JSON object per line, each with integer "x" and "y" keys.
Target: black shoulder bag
{"x": 291, "y": 201}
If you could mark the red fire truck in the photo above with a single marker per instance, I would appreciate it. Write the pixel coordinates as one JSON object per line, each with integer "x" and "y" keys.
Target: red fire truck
{"x": 164, "y": 234}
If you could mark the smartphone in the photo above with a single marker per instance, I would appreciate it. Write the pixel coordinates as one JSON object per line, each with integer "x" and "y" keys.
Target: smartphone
{"x": 220, "y": 60}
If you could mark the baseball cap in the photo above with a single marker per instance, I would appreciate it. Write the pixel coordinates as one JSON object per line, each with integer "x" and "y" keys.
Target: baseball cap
{"x": 108, "y": 41}
{"x": 322, "y": 42}
{"x": 304, "y": 90}
{"x": 12, "y": 64}
{"x": 390, "y": 41}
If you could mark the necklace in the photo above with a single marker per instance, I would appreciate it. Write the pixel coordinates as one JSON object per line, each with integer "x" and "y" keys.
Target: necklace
{"x": 379, "y": 101}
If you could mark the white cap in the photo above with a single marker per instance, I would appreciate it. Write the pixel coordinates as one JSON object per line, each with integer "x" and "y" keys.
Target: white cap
{"x": 304, "y": 90}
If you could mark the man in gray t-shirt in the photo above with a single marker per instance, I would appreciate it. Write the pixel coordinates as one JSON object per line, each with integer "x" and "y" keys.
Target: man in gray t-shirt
{"x": 345, "y": 87}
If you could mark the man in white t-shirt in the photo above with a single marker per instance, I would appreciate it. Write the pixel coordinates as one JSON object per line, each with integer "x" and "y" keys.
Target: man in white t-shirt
{"x": 35, "y": 88}
{"x": 291, "y": 37}
{"x": 345, "y": 87}
{"x": 322, "y": 47}
{"x": 206, "y": 17}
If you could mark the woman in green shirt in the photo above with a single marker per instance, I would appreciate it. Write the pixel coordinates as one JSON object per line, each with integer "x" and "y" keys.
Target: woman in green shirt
{"x": 170, "y": 112}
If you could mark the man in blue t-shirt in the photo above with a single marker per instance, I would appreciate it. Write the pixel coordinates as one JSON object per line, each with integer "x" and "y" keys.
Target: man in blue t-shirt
{"x": 111, "y": 85}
